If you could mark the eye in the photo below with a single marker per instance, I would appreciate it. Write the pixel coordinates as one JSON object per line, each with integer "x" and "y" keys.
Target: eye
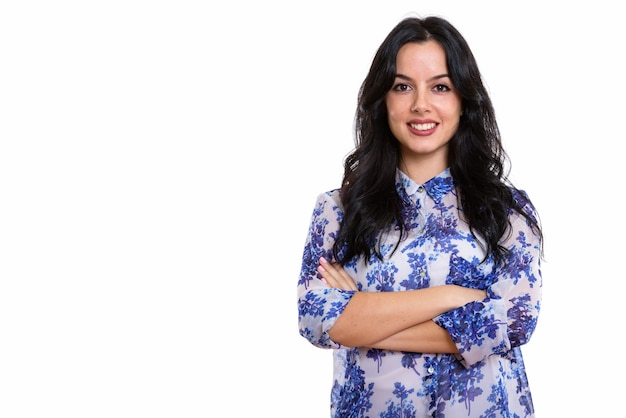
{"x": 401, "y": 87}
{"x": 442, "y": 88}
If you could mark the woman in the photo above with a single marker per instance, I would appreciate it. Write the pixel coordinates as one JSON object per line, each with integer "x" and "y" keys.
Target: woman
{"x": 422, "y": 272}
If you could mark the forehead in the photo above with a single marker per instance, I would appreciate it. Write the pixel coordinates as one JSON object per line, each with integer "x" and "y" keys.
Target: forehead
{"x": 426, "y": 56}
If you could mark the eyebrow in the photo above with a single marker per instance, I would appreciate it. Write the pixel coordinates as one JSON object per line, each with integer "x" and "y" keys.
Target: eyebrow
{"x": 437, "y": 77}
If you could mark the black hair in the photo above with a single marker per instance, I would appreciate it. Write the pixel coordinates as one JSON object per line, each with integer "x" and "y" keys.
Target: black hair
{"x": 476, "y": 156}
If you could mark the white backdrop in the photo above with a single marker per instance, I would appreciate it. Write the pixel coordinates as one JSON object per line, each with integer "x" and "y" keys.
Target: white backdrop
{"x": 159, "y": 161}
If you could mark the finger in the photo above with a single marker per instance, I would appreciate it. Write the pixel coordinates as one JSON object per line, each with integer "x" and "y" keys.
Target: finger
{"x": 330, "y": 271}
{"x": 345, "y": 280}
{"x": 336, "y": 276}
{"x": 329, "y": 274}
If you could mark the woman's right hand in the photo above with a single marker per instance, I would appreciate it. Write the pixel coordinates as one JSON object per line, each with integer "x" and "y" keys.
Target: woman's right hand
{"x": 335, "y": 276}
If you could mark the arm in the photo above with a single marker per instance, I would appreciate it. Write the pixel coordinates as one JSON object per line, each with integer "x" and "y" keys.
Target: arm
{"x": 508, "y": 317}
{"x": 325, "y": 309}
{"x": 318, "y": 305}
{"x": 426, "y": 337}
{"x": 395, "y": 320}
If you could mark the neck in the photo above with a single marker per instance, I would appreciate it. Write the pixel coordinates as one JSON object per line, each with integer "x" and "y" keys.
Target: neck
{"x": 421, "y": 172}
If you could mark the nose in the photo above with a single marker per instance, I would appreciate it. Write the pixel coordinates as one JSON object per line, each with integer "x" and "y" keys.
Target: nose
{"x": 420, "y": 104}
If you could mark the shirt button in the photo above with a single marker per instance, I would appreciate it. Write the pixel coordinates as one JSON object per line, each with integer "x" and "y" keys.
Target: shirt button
{"x": 431, "y": 370}
{"x": 420, "y": 189}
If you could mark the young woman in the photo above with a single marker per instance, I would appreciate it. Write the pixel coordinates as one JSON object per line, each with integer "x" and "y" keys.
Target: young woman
{"x": 422, "y": 272}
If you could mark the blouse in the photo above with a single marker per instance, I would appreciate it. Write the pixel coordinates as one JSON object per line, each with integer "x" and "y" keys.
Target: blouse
{"x": 487, "y": 377}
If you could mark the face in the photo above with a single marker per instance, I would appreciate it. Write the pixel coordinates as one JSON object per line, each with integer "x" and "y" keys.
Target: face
{"x": 423, "y": 107}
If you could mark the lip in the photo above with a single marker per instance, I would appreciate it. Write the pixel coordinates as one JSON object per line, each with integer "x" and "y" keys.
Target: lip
{"x": 422, "y": 132}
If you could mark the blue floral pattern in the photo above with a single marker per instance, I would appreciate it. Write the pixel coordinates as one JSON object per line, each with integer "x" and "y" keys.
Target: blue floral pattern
{"x": 487, "y": 378}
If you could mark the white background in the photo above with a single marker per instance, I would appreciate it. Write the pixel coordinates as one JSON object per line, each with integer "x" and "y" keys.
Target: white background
{"x": 159, "y": 161}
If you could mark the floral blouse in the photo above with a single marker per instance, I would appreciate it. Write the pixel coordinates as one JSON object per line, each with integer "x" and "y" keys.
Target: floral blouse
{"x": 487, "y": 378}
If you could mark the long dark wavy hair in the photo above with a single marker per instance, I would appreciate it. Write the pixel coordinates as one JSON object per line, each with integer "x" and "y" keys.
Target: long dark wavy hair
{"x": 476, "y": 156}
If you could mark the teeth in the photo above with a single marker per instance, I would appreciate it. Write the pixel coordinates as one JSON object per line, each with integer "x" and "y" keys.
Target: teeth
{"x": 423, "y": 126}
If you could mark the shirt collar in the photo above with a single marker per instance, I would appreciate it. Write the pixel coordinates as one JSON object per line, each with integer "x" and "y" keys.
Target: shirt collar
{"x": 437, "y": 187}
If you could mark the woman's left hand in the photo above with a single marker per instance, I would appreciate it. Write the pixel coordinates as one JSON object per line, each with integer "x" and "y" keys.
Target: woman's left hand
{"x": 335, "y": 276}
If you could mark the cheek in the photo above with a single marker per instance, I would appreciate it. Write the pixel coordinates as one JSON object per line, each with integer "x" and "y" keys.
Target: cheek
{"x": 449, "y": 113}
{"x": 393, "y": 115}
{"x": 394, "y": 120}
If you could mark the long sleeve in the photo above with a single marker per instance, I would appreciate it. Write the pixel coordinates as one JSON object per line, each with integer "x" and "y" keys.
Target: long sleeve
{"x": 318, "y": 305}
{"x": 436, "y": 247}
{"x": 508, "y": 317}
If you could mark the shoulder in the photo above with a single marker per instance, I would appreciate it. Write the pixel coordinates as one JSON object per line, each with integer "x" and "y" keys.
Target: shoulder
{"x": 328, "y": 210}
{"x": 522, "y": 203}
{"x": 522, "y": 200}
{"x": 330, "y": 196}
{"x": 328, "y": 202}
{"x": 520, "y": 196}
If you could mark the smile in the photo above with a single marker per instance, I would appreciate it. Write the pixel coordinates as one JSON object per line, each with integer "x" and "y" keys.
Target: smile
{"x": 423, "y": 126}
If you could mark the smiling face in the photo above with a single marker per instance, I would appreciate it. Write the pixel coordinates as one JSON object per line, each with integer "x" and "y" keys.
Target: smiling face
{"x": 423, "y": 109}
